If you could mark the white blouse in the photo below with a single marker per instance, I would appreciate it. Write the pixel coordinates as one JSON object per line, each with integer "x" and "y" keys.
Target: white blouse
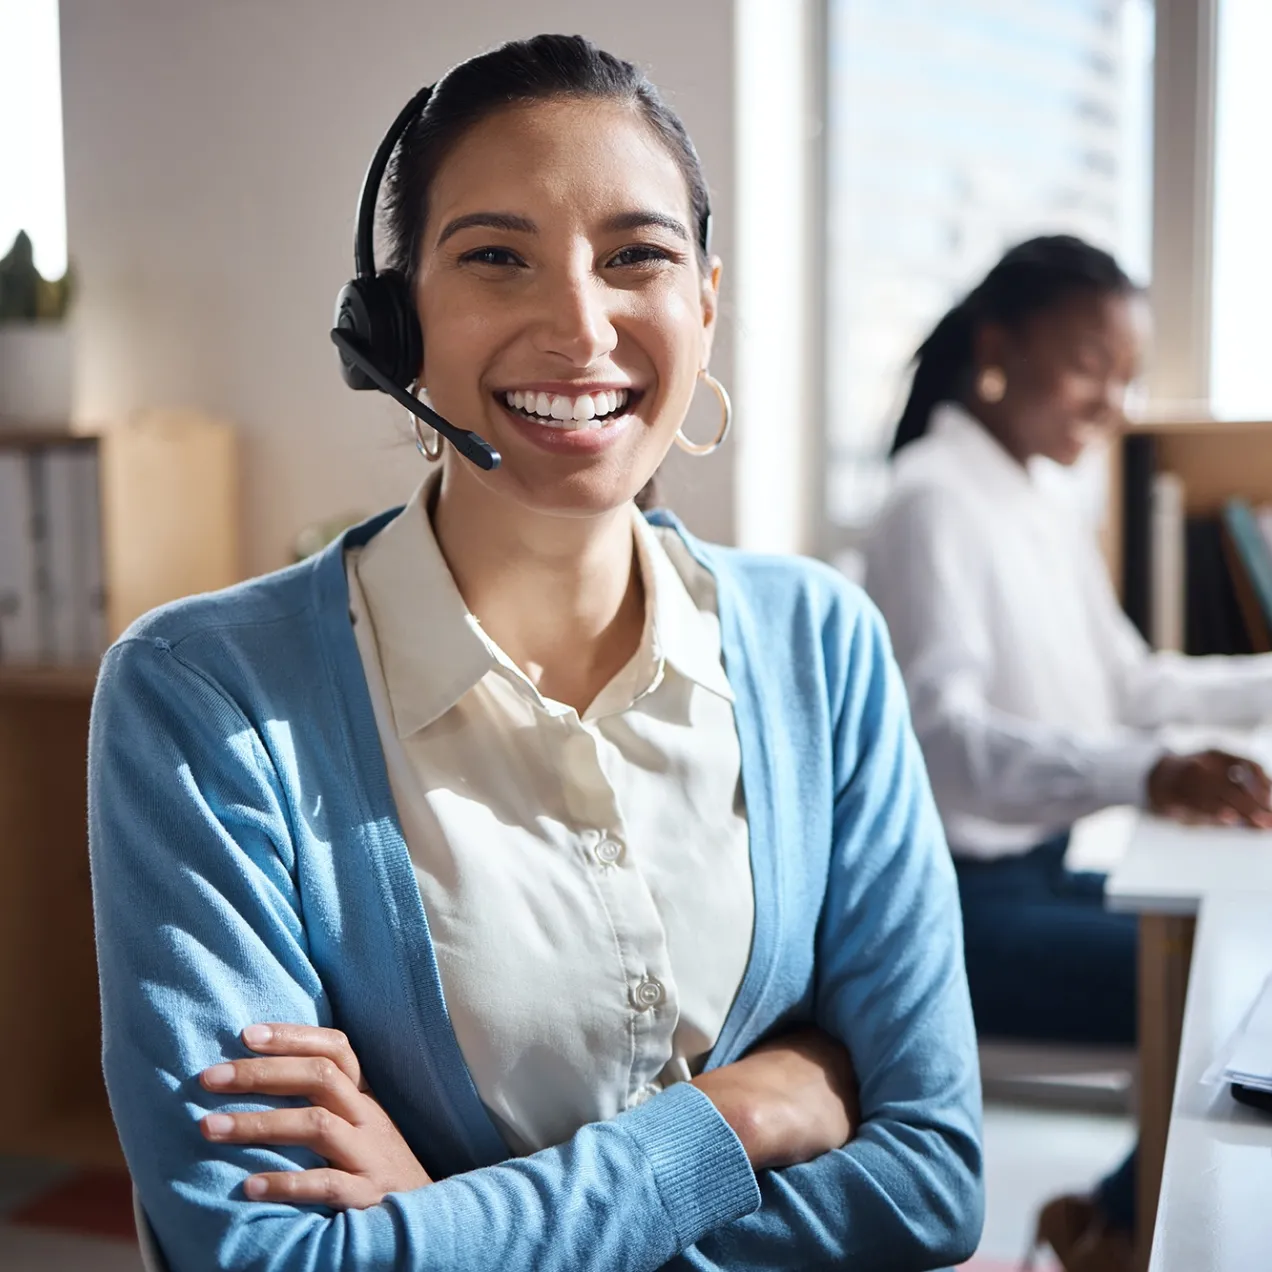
{"x": 1035, "y": 699}
{"x": 586, "y": 879}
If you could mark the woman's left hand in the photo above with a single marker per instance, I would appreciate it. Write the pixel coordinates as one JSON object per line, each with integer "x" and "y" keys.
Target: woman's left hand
{"x": 343, "y": 1123}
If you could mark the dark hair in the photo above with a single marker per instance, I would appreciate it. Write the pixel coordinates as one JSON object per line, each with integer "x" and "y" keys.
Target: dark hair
{"x": 538, "y": 69}
{"x": 1031, "y": 278}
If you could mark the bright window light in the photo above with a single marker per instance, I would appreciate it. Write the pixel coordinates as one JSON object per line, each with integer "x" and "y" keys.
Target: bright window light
{"x": 32, "y": 182}
{"x": 1241, "y": 383}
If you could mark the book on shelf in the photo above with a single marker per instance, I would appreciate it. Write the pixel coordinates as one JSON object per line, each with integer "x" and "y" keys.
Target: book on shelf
{"x": 1185, "y": 584}
{"x": 1251, "y": 563}
{"x": 19, "y": 571}
{"x": 1167, "y": 600}
{"x": 52, "y": 594}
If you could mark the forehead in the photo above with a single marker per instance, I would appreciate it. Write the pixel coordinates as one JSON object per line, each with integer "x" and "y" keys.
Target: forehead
{"x": 1115, "y": 317}
{"x": 578, "y": 158}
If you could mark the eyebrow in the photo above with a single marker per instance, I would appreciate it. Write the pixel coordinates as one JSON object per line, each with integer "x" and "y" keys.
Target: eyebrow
{"x": 511, "y": 222}
{"x": 644, "y": 218}
{"x": 488, "y": 220}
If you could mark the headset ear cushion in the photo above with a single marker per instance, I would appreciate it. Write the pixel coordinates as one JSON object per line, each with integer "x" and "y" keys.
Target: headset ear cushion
{"x": 380, "y": 314}
{"x": 408, "y": 343}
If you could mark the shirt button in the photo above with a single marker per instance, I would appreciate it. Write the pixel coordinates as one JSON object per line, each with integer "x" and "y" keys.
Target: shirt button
{"x": 609, "y": 852}
{"x": 649, "y": 993}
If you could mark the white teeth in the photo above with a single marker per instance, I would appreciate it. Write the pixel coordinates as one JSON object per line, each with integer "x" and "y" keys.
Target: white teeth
{"x": 585, "y": 411}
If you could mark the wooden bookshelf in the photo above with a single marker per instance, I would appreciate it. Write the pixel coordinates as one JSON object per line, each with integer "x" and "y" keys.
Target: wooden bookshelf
{"x": 1216, "y": 458}
{"x": 169, "y": 499}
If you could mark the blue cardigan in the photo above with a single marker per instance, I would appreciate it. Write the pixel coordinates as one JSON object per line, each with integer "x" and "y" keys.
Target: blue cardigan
{"x": 248, "y": 865}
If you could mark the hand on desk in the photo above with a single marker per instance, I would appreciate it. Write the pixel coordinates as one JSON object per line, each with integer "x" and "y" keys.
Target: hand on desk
{"x": 1211, "y": 787}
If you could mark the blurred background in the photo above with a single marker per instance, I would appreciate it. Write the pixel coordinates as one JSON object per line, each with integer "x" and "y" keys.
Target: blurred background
{"x": 196, "y": 165}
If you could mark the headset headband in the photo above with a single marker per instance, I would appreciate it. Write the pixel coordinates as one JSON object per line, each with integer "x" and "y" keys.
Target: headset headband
{"x": 364, "y": 239}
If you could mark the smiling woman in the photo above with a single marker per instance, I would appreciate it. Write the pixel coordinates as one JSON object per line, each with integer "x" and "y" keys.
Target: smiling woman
{"x": 603, "y": 856}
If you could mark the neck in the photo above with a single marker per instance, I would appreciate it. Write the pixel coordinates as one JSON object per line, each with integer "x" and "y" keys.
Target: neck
{"x": 560, "y": 595}
{"x": 998, "y": 426}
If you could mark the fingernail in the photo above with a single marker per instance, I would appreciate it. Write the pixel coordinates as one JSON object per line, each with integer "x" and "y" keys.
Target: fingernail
{"x": 218, "y": 1123}
{"x": 257, "y": 1035}
{"x": 219, "y": 1075}
{"x": 255, "y": 1186}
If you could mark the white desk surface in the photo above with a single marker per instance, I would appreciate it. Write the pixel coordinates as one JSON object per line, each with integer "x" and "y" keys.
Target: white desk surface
{"x": 1167, "y": 868}
{"x": 1215, "y": 1213}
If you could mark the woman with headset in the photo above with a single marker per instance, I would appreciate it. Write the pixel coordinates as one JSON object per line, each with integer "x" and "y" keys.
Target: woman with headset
{"x": 1034, "y": 699}
{"x": 522, "y": 882}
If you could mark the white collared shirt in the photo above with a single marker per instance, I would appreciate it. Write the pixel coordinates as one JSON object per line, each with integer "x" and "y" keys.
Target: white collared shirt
{"x": 1034, "y": 697}
{"x": 587, "y": 880}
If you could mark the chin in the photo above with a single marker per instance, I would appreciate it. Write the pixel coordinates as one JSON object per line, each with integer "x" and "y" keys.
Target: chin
{"x": 591, "y": 492}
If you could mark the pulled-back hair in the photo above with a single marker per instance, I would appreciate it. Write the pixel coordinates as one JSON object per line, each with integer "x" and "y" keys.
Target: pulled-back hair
{"x": 1031, "y": 278}
{"x": 538, "y": 69}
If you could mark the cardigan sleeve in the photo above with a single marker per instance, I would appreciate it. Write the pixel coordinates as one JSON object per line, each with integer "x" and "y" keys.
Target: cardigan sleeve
{"x": 200, "y": 929}
{"x": 906, "y": 1192}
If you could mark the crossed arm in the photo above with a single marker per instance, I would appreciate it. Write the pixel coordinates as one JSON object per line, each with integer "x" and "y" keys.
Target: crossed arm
{"x": 687, "y": 1175}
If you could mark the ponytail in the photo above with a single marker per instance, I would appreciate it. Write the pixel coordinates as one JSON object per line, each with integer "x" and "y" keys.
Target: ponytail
{"x": 940, "y": 368}
{"x": 1031, "y": 278}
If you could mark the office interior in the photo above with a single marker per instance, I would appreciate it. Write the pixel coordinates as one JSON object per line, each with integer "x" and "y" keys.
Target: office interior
{"x": 195, "y": 166}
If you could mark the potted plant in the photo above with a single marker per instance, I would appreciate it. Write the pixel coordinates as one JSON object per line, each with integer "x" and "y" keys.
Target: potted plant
{"x": 35, "y": 344}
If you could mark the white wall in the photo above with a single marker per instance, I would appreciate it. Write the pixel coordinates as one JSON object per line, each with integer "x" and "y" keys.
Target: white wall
{"x": 213, "y": 156}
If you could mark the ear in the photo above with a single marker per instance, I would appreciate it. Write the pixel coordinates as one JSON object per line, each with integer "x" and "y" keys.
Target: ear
{"x": 710, "y": 306}
{"x": 991, "y": 346}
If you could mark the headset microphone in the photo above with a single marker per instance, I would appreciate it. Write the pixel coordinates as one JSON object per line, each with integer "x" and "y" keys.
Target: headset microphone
{"x": 468, "y": 444}
{"x": 377, "y": 331}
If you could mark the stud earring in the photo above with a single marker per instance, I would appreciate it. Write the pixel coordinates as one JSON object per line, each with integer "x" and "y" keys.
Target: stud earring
{"x": 991, "y": 385}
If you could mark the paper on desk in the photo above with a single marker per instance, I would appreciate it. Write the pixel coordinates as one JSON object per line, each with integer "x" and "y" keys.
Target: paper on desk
{"x": 1247, "y": 1058}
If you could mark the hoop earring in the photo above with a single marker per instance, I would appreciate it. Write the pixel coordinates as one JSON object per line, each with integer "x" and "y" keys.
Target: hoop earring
{"x": 423, "y": 434}
{"x": 991, "y": 385}
{"x": 726, "y": 420}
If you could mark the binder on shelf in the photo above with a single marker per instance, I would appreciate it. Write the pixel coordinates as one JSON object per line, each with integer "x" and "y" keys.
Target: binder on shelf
{"x": 19, "y": 582}
{"x": 1251, "y": 566}
{"x": 52, "y": 594}
{"x": 1139, "y": 465}
{"x": 59, "y": 549}
{"x": 93, "y": 575}
{"x": 1214, "y": 622}
{"x": 1167, "y": 594}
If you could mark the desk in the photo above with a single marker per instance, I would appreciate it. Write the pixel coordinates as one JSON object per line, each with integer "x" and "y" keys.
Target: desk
{"x": 1215, "y": 1212}
{"x": 1166, "y": 872}
{"x": 1168, "y": 868}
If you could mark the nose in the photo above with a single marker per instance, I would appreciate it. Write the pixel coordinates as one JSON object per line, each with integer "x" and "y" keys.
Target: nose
{"x": 1115, "y": 394}
{"x": 577, "y": 319}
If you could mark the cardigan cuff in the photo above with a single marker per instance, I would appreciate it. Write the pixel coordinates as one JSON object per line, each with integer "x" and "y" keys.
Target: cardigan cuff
{"x": 699, "y": 1164}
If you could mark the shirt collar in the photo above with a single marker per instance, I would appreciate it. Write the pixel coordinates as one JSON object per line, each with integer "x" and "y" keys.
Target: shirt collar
{"x": 682, "y": 634}
{"x": 432, "y": 648}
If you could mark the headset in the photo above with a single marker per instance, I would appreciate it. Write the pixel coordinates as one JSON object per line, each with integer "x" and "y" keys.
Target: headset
{"x": 377, "y": 331}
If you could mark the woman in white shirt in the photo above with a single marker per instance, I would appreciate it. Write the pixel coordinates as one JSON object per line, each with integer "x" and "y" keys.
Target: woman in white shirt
{"x": 1034, "y": 698}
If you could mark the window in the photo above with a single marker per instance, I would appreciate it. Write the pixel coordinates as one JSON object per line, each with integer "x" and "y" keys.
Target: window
{"x": 1242, "y": 261}
{"x": 955, "y": 128}
{"x": 32, "y": 186}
